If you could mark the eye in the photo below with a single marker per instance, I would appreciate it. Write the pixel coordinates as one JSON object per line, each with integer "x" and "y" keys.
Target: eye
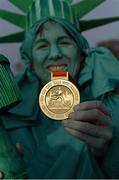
{"x": 64, "y": 43}
{"x": 43, "y": 46}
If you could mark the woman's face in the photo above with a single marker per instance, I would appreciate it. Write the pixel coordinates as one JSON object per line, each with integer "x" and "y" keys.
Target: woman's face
{"x": 54, "y": 50}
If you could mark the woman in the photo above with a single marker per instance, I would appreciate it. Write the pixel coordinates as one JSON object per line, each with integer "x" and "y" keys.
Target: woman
{"x": 78, "y": 147}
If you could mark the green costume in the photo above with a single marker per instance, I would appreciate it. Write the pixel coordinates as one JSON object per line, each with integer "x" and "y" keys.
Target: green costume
{"x": 49, "y": 151}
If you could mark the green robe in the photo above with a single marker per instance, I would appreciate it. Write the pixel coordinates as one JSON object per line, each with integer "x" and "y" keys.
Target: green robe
{"x": 49, "y": 151}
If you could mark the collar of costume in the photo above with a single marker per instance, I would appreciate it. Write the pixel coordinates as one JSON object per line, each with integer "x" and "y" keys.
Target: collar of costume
{"x": 30, "y": 87}
{"x": 100, "y": 74}
{"x": 26, "y": 112}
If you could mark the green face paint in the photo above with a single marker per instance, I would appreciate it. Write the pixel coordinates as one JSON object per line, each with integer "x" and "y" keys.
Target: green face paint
{"x": 54, "y": 50}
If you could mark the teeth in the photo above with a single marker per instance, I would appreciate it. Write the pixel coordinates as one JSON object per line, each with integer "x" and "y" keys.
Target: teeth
{"x": 57, "y": 68}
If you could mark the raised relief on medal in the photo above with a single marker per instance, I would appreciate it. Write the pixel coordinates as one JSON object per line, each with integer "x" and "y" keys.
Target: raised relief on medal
{"x": 59, "y": 99}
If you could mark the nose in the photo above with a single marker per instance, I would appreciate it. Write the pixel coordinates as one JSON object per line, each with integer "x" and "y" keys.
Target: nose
{"x": 55, "y": 53}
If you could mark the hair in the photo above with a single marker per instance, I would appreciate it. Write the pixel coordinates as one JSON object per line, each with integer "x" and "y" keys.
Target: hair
{"x": 42, "y": 27}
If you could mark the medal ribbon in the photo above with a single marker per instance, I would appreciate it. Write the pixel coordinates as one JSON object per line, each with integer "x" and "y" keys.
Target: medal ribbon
{"x": 64, "y": 74}
{"x": 59, "y": 73}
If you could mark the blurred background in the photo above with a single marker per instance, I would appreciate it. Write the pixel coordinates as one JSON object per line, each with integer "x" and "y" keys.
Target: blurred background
{"x": 107, "y": 35}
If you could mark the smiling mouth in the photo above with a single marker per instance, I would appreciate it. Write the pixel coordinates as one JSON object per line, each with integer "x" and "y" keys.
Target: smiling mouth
{"x": 62, "y": 67}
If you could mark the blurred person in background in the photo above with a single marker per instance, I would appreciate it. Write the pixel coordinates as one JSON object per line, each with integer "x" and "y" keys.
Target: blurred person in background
{"x": 112, "y": 45}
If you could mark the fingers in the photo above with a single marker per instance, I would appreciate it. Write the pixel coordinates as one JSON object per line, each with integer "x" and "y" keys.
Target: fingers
{"x": 94, "y": 142}
{"x": 93, "y": 115}
{"x": 84, "y": 123}
{"x": 88, "y": 129}
{"x": 92, "y": 105}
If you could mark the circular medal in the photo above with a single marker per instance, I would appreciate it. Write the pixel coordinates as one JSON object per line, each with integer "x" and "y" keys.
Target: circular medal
{"x": 59, "y": 96}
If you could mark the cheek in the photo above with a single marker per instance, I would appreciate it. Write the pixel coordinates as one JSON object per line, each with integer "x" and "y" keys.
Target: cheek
{"x": 39, "y": 56}
{"x": 75, "y": 58}
{"x": 40, "y": 72}
{"x": 37, "y": 63}
{"x": 72, "y": 52}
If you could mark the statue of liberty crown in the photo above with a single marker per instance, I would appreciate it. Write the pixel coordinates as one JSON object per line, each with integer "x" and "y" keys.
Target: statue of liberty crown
{"x": 35, "y": 10}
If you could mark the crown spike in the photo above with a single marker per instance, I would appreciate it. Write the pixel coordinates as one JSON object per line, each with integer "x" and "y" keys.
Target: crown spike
{"x": 23, "y": 6}
{"x": 16, "y": 19}
{"x": 90, "y": 24}
{"x": 13, "y": 38}
{"x": 84, "y": 7}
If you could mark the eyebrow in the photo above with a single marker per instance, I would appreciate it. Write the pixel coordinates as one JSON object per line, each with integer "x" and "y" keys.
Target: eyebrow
{"x": 64, "y": 37}
{"x": 44, "y": 40}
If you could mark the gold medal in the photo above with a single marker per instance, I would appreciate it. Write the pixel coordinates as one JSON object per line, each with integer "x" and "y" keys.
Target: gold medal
{"x": 59, "y": 96}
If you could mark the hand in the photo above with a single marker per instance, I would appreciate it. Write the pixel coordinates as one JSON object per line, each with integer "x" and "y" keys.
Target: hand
{"x": 91, "y": 123}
